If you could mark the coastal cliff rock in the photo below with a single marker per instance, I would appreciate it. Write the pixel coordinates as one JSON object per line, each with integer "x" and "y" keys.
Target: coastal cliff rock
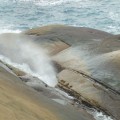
{"x": 87, "y": 63}
{"x": 92, "y": 54}
{"x": 83, "y": 88}
{"x": 92, "y": 51}
{"x": 18, "y": 102}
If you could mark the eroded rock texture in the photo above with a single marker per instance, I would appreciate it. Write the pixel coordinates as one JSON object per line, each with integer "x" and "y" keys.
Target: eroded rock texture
{"x": 89, "y": 61}
{"x": 20, "y": 102}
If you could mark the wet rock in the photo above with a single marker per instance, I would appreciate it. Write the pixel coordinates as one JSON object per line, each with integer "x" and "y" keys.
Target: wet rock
{"x": 91, "y": 54}
{"x": 18, "y": 101}
{"x": 17, "y": 71}
{"x": 83, "y": 88}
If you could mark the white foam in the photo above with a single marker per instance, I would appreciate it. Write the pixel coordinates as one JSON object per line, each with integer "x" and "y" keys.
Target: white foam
{"x": 44, "y": 2}
{"x": 9, "y": 31}
{"x": 53, "y": 2}
{"x": 7, "y": 28}
{"x": 99, "y": 115}
{"x": 60, "y": 101}
{"x": 64, "y": 94}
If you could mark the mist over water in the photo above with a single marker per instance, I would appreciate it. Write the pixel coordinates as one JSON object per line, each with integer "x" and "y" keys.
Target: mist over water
{"x": 27, "y": 56}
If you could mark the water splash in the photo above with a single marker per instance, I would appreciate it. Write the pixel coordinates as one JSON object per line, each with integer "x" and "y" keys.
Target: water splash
{"x": 27, "y": 56}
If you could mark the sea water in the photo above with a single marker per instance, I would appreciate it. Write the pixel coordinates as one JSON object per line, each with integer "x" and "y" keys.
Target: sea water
{"x": 17, "y": 15}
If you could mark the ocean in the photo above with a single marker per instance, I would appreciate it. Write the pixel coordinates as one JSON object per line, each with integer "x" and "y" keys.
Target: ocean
{"x": 19, "y": 15}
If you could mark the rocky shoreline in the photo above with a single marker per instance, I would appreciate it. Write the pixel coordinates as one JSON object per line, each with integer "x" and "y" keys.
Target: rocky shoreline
{"x": 85, "y": 44}
{"x": 58, "y": 94}
{"x": 87, "y": 64}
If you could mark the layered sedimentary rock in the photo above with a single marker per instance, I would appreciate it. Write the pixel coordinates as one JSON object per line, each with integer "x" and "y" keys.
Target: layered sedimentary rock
{"x": 18, "y": 101}
{"x": 83, "y": 88}
{"x": 89, "y": 66}
{"x": 88, "y": 69}
{"x": 92, "y": 51}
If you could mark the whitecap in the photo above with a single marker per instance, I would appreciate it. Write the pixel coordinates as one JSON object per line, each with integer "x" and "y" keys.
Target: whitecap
{"x": 9, "y": 31}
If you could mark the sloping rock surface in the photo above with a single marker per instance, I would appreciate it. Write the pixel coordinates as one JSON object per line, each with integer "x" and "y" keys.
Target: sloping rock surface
{"x": 20, "y": 102}
{"x": 92, "y": 51}
{"x": 90, "y": 65}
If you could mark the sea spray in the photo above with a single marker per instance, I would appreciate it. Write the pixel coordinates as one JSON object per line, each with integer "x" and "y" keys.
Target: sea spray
{"x": 26, "y": 55}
